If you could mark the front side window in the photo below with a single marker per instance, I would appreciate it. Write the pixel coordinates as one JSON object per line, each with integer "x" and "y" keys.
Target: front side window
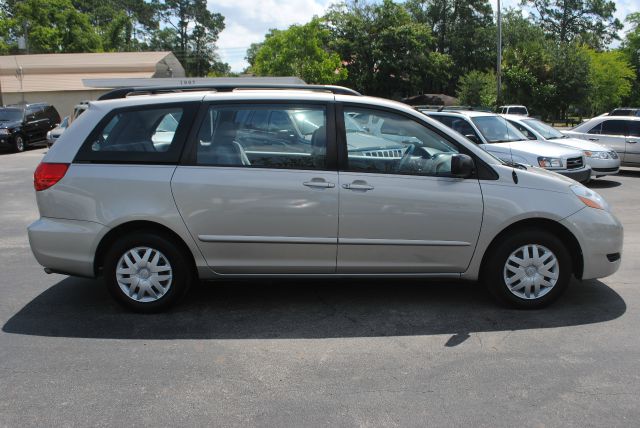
{"x": 287, "y": 137}
{"x": 147, "y": 135}
{"x": 384, "y": 142}
{"x": 613, "y": 127}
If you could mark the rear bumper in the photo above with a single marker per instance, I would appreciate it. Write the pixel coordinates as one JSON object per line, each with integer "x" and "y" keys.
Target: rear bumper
{"x": 67, "y": 246}
{"x": 580, "y": 175}
{"x": 600, "y": 235}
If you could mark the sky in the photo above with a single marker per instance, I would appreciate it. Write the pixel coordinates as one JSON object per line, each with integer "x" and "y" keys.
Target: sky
{"x": 247, "y": 21}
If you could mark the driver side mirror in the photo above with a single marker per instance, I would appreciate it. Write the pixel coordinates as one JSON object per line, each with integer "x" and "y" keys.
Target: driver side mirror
{"x": 462, "y": 166}
{"x": 473, "y": 138}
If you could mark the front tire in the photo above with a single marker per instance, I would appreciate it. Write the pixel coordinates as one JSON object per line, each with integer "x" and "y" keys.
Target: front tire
{"x": 18, "y": 144}
{"x": 146, "y": 272}
{"x": 528, "y": 269}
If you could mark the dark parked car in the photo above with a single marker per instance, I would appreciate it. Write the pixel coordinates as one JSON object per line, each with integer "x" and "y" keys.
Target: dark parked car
{"x": 22, "y": 125}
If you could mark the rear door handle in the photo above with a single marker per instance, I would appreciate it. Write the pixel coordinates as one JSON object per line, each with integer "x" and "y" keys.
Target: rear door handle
{"x": 319, "y": 183}
{"x": 632, "y": 141}
{"x": 594, "y": 139}
{"x": 358, "y": 185}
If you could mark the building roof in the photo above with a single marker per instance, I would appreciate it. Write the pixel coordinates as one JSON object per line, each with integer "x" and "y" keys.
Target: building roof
{"x": 64, "y": 72}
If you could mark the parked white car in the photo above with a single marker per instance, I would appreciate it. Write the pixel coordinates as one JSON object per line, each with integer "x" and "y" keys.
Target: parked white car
{"x": 602, "y": 159}
{"x": 514, "y": 109}
{"x": 621, "y": 133}
{"x": 500, "y": 138}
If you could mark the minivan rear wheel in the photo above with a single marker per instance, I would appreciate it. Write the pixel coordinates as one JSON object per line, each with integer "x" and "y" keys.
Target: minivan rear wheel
{"x": 146, "y": 272}
{"x": 528, "y": 269}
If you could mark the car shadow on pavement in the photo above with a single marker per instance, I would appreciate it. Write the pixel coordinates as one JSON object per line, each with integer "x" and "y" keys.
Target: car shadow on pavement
{"x": 629, "y": 172}
{"x": 306, "y": 309}
{"x": 603, "y": 184}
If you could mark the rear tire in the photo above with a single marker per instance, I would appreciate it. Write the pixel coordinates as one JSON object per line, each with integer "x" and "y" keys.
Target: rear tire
{"x": 529, "y": 269}
{"x": 147, "y": 272}
{"x": 19, "y": 144}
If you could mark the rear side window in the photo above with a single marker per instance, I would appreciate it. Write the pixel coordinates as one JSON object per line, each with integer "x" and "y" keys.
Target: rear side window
{"x": 634, "y": 128}
{"x": 613, "y": 127}
{"x": 280, "y": 137}
{"x": 518, "y": 110}
{"x": 147, "y": 134}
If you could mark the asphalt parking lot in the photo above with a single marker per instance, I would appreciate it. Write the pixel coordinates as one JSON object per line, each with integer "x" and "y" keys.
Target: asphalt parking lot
{"x": 311, "y": 353}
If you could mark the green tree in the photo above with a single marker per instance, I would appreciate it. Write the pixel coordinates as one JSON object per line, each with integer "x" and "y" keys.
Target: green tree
{"x": 387, "y": 53}
{"x": 591, "y": 21}
{"x": 477, "y": 88}
{"x": 196, "y": 30}
{"x": 51, "y": 26}
{"x": 631, "y": 48}
{"x": 570, "y": 77}
{"x": 462, "y": 29}
{"x": 300, "y": 51}
{"x": 611, "y": 76}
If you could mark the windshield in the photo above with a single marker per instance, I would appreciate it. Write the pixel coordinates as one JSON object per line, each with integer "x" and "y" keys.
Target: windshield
{"x": 7, "y": 114}
{"x": 496, "y": 129}
{"x": 547, "y": 132}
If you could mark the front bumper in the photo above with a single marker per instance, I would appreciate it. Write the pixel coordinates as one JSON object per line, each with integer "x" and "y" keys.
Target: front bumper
{"x": 581, "y": 175}
{"x": 600, "y": 235}
{"x": 67, "y": 246}
{"x": 602, "y": 167}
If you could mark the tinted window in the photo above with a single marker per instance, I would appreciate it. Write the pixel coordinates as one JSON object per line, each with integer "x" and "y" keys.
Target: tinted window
{"x": 266, "y": 137}
{"x": 518, "y": 110}
{"x": 396, "y": 145}
{"x": 634, "y": 128}
{"x": 596, "y": 129}
{"x": 149, "y": 134}
{"x": 613, "y": 127}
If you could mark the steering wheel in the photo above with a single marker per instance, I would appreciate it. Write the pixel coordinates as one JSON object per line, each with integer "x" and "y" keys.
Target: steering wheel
{"x": 406, "y": 157}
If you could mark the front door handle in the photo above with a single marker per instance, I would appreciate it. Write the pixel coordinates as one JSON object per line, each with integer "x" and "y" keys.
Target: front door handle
{"x": 319, "y": 183}
{"x": 358, "y": 185}
{"x": 594, "y": 139}
{"x": 632, "y": 141}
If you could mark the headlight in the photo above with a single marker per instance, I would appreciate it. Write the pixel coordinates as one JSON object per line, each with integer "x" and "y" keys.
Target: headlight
{"x": 550, "y": 162}
{"x": 48, "y": 135}
{"x": 613, "y": 154}
{"x": 4, "y": 131}
{"x": 589, "y": 197}
{"x": 597, "y": 155}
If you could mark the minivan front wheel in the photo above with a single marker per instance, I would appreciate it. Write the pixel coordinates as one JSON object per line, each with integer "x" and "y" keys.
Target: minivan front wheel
{"x": 528, "y": 269}
{"x": 146, "y": 272}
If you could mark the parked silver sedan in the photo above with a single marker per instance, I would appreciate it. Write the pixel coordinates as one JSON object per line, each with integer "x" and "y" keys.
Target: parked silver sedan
{"x": 603, "y": 160}
{"x": 621, "y": 133}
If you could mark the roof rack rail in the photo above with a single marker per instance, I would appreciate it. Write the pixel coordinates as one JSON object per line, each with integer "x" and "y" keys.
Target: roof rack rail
{"x": 150, "y": 90}
{"x": 454, "y": 108}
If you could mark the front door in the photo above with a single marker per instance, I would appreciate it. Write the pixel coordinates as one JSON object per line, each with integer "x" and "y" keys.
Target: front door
{"x": 405, "y": 214}
{"x": 262, "y": 207}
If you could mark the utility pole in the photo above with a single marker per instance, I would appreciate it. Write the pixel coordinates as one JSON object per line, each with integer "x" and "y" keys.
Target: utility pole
{"x": 499, "y": 62}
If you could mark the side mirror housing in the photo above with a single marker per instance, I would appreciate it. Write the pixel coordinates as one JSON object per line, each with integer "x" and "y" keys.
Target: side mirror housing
{"x": 462, "y": 166}
{"x": 473, "y": 138}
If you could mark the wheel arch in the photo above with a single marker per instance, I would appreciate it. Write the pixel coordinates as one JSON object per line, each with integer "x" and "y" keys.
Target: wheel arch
{"x": 138, "y": 226}
{"x": 545, "y": 224}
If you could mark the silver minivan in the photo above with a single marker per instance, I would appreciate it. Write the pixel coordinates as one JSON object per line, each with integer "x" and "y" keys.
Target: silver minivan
{"x": 155, "y": 191}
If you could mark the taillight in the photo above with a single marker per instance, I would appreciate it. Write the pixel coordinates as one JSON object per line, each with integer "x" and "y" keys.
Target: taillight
{"x": 48, "y": 174}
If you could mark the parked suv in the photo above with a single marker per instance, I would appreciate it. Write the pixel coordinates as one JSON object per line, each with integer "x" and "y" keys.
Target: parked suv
{"x": 500, "y": 138}
{"x": 155, "y": 191}
{"x": 22, "y": 125}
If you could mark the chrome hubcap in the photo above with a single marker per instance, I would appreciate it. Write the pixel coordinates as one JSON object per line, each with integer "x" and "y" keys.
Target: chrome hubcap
{"x": 144, "y": 274}
{"x": 19, "y": 143}
{"x": 531, "y": 271}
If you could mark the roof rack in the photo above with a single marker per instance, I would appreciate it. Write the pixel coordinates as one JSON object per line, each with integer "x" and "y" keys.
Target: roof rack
{"x": 151, "y": 90}
{"x": 454, "y": 108}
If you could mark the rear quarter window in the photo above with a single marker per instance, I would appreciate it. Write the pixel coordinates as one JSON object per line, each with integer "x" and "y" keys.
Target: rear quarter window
{"x": 144, "y": 134}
